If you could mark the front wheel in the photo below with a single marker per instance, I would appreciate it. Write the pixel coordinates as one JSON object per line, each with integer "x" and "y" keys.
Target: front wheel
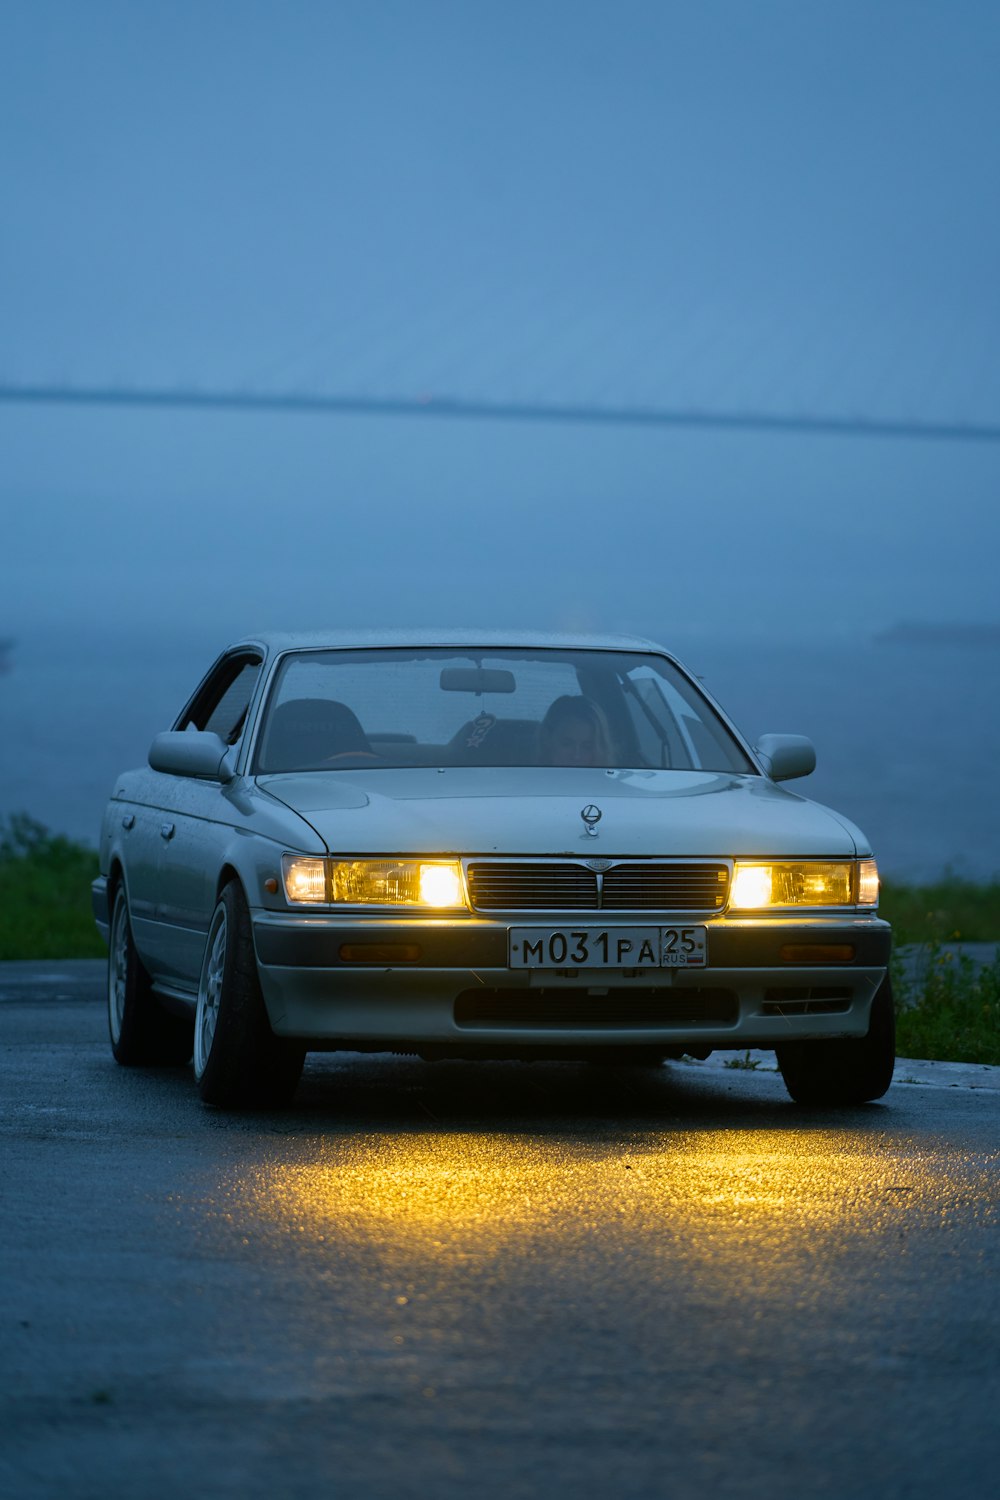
{"x": 142, "y": 1033}
{"x": 238, "y": 1060}
{"x": 844, "y": 1070}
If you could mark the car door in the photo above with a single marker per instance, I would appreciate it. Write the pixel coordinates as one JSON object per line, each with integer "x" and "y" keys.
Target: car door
{"x": 195, "y": 819}
{"x": 135, "y": 809}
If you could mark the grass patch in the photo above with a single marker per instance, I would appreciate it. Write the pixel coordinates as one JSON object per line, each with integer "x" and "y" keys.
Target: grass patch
{"x": 951, "y": 1011}
{"x": 947, "y": 1006}
{"x": 950, "y": 910}
{"x": 45, "y": 907}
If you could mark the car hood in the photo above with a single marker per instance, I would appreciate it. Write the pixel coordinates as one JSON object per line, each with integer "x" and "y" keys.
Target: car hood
{"x": 538, "y": 810}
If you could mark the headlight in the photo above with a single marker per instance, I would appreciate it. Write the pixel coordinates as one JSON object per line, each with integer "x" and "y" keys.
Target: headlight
{"x": 397, "y": 882}
{"x": 843, "y": 882}
{"x": 305, "y": 879}
{"x": 867, "y": 882}
{"x": 435, "y": 883}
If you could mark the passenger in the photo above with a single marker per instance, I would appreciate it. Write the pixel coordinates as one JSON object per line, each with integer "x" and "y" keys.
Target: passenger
{"x": 575, "y": 733}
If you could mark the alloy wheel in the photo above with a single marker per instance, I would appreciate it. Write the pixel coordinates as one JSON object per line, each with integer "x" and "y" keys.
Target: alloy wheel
{"x": 210, "y": 991}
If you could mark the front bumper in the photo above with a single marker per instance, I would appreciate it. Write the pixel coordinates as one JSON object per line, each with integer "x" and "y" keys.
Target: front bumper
{"x": 350, "y": 981}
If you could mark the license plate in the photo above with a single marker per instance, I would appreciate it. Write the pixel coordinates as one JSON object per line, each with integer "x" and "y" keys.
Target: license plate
{"x": 607, "y": 947}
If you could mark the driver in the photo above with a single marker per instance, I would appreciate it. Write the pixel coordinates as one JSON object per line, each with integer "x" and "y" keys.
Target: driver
{"x": 575, "y": 733}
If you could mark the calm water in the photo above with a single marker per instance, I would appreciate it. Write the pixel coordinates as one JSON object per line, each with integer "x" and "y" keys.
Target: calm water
{"x": 908, "y": 739}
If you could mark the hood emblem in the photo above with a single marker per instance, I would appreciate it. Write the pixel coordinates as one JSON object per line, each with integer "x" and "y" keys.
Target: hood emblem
{"x": 591, "y": 816}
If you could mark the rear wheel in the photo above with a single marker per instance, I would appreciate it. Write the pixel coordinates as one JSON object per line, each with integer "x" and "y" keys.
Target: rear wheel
{"x": 844, "y": 1070}
{"x": 142, "y": 1032}
{"x": 238, "y": 1060}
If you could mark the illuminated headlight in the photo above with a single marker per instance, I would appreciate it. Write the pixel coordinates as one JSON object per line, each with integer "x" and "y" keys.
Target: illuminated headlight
{"x": 867, "y": 882}
{"x": 397, "y": 882}
{"x": 435, "y": 883}
{"x": 305, "y": 879}
{"x": 841, "y": 882}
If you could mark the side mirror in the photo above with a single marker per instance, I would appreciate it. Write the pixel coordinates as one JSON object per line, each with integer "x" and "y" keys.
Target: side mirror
{"x": 785, "y": 756}
{"x": 200, "y": 753}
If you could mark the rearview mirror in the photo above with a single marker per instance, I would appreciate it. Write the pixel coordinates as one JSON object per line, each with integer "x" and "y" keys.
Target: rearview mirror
{"x": 477, "y": 680}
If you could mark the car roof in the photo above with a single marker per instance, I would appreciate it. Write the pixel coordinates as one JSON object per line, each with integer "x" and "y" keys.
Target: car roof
{"x": 276, "y": 642}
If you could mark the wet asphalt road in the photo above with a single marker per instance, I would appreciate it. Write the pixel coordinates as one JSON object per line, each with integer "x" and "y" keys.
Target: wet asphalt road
{"x": 497, "y": 1280}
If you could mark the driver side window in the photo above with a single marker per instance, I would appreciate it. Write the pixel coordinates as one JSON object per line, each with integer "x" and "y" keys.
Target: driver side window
{"x": 221, "y": 705}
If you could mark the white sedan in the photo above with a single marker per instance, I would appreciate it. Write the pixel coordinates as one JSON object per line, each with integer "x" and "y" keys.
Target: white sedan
{"x": 463, "y": 845}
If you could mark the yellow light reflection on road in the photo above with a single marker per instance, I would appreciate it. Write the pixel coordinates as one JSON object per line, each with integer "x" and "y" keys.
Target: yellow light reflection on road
{"x": 738, "y": 1209}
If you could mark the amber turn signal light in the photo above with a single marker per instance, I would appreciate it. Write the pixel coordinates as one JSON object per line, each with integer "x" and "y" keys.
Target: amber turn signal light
{"x": 817, "y": 953}
{"x": 379, "y": 953}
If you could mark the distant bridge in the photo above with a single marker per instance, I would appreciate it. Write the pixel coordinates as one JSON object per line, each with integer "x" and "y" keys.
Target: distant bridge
{"x": 319, "y": 403}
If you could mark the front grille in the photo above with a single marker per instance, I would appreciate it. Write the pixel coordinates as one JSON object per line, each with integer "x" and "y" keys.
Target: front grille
{"x": 538, "y": 886}
{"x": 547, "y": 885}
{"x": 672, "y": 887}
{"x": 617, "y": 1010}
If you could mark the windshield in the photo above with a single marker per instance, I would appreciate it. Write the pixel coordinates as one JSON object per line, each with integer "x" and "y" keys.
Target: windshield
{"x": 341, "y": 710}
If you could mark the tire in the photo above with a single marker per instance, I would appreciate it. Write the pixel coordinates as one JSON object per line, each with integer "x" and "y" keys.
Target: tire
{"x": 142, "y": 1033}
{"x": 845, "y": 1070}
{"x": 239, "y": 1063}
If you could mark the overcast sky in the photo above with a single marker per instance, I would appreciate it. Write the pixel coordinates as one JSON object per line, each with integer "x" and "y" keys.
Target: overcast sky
{"x": 784, "y": 207}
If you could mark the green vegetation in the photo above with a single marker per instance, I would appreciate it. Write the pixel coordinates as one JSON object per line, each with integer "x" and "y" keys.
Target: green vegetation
{"x": 746, "y": 1062}
{"x": 950, "y": 910}
{"x": 948, "y": 1006}
{"x": 45, "y": 894}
